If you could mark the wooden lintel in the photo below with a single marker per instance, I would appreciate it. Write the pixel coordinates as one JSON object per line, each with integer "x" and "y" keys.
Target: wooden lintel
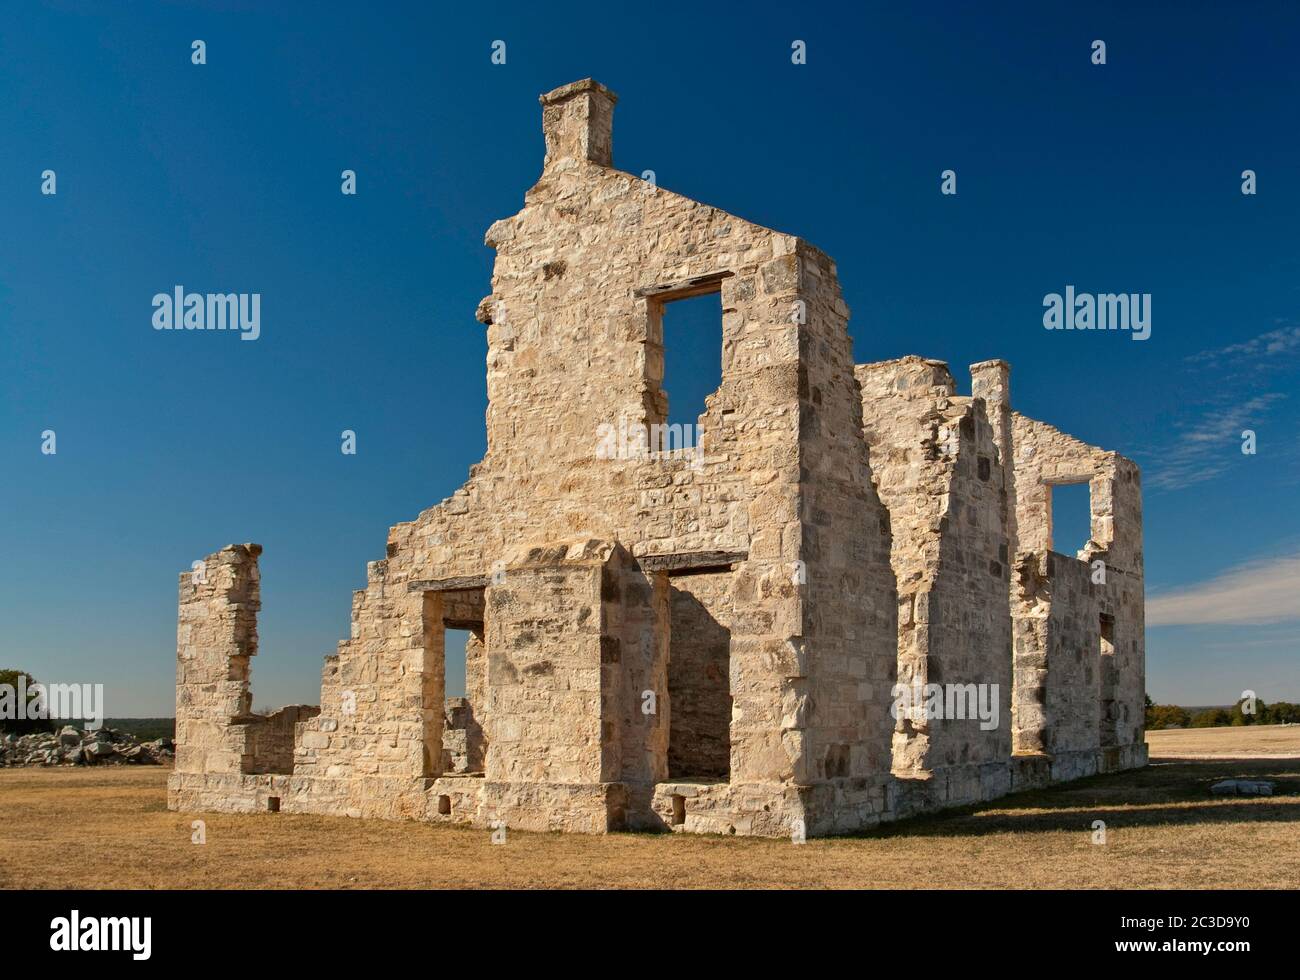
{"x": 692, "y": 562}
{"x": 449, "y": 584}
{"x": 681, "y": 563}
{"x": 473, "y": 625}
{"x": 685, "y": 288}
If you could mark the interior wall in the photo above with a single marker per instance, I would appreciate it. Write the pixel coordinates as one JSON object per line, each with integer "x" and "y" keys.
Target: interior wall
{"x": 699, "y": 689}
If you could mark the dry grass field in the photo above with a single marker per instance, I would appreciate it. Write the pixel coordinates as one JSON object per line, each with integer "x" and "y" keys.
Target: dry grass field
{"x": 1255, "y": 742}
{"x": 101, "y": 828}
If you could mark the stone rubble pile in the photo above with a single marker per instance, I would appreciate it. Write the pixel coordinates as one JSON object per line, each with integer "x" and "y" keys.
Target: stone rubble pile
{"x": 74, "y": 747}
{"x": 1243, "y": 787}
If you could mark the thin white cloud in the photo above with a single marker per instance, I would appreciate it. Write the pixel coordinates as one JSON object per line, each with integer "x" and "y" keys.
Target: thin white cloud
{"x": 1286, "y": 338}
{"x": 1207, "y": 447}
{"x": 1257, "y": 593}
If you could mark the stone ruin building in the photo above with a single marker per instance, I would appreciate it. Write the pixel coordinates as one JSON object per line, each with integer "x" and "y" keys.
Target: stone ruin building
{"x": 704, "y": 643}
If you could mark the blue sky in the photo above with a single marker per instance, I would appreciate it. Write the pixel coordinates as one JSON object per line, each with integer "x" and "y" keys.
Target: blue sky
{"x": 225, "y": 177}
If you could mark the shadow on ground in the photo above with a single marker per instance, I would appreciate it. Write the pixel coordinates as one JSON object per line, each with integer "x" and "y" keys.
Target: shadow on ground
{"x": 1164, "y": 793}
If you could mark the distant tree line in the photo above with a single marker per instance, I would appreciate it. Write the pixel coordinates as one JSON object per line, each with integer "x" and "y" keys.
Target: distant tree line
{"x": 144, "y": 729}
{"x": 21, "y": 726}
{"x": 1172, "y": 716}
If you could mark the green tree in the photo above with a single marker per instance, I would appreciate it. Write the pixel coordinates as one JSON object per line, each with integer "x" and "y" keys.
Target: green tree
{"x": 1257, "y": 717}
{"x": 1211, "y": 718}
{"x": 9, "y": 682}
{"x": 1282, "y": 713}
{"x": 1167, "y": 716}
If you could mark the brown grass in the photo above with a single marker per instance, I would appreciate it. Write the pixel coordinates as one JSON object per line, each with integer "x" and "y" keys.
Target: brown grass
{"x": 1251, "y": 742}
{"x": 102, "y": 828}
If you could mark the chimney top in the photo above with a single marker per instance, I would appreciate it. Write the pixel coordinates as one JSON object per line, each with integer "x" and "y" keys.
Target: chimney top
{"x": 578, "y": 122}
{"x": 564, "y": 92}
{"x": 991, "y": 380}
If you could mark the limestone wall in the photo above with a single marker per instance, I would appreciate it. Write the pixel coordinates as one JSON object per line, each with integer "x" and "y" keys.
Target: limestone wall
{"x": 271, "y": 740}
{"x": 938, "y": 469}
{"x": 1079, "y": 702}
{"x": 464, "y": 745}
{"x": 634, "y": 677}
{"x": 216, "y": 636}
{"x": 1110, "y": 563}
{"x": 579, "y": 274}
{"x": 544, "y": 633}
{"x": 841, "y": 527}
{"x": 699, "y": 676}
{"x": 576, "y": 634}
{"x": 1066, "y": 652}
{"x": 844, "y": 662}
{"x": 220, "y": 741}
{"x": 1046, "y": 457}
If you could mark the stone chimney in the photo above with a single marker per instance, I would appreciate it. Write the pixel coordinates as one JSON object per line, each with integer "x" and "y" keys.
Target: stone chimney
{"x": 991, "y": 381}
{"x": 578, "y": 120}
